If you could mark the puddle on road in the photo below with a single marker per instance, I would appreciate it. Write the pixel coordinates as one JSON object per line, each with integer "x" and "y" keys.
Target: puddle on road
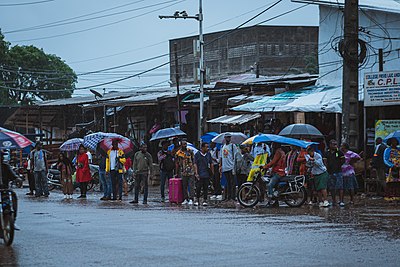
{"x": 366, "y": 214}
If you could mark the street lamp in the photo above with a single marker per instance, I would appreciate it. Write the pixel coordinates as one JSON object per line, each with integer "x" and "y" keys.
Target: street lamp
{"x": 199, "y": 18}
{"x": 96, "y": 96}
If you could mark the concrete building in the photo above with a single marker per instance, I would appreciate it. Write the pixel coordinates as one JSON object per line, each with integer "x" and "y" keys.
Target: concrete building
{"x": 278, "y": 50}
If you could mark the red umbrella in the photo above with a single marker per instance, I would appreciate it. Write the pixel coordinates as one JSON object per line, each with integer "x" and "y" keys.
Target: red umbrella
{"x": 12, "y": 140}
{"x": 124, "y": 144}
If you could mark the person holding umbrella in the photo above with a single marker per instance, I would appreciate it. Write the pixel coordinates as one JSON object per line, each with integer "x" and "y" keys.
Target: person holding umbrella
{"x": 143, "y": 168}
{"x": 114, "y": 167}
{"x": 166, "y": 162}
{"x": 82, "y": 171}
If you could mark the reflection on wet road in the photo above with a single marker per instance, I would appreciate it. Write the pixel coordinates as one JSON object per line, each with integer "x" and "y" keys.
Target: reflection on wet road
{"x": 93, "y": 233}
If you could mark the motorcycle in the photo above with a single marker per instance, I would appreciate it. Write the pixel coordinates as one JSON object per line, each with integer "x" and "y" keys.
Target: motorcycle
{"x": 130, "y": 180}
{"x": 8, "y": 212}
{"x": 19, "y": 174}
{"x": 54, "y": 178}
{"x": 290, "y": 189}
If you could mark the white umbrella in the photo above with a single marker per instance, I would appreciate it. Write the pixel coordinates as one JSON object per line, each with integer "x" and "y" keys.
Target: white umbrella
{"x": 71, "y": 144}
{"x": 236, "y": 138}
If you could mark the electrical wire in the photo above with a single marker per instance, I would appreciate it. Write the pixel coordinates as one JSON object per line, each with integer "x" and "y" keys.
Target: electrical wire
{"x": 216, "y": 39}
{"x": 99, "y": 26}
{"x": 26, "y": 3}
{"x": 78, "y": 17}
{"x": 89, "y": 19}
{"x": 163, "y": 42}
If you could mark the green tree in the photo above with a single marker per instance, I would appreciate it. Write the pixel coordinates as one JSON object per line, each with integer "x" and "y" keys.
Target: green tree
{"x": 33, "y": 74}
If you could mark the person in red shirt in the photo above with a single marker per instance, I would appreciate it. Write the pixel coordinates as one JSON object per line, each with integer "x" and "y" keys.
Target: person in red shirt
{"x": 82, "y": 171}
{"x": 278, "y": 165}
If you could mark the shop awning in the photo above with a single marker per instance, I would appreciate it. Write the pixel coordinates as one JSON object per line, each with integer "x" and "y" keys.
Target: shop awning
{"x": 235, "y": 119}
{"x": 311, "y": 99}
{"x": 328, "y": 101}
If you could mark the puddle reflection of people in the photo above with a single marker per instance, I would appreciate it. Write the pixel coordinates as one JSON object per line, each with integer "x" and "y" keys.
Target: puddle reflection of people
{"x": 8, "y": 256}
{"x": 392, "y": 160}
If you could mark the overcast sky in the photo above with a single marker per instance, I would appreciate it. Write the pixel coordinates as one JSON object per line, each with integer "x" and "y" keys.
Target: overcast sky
{"x": 136, "y": 32}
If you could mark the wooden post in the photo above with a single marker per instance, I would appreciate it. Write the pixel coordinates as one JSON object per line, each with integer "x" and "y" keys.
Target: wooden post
{"x": 350, "y": 126}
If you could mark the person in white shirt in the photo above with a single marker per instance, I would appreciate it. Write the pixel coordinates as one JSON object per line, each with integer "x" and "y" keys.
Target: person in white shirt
{"x": 228, "y": 153}
{"x": 90, "y": 157}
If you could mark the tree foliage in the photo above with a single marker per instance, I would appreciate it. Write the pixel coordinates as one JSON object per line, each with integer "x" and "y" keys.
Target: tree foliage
{"x": 28, "y": 73}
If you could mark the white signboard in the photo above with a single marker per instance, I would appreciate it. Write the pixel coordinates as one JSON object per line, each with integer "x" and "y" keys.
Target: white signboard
{"x": 382, "y": 88}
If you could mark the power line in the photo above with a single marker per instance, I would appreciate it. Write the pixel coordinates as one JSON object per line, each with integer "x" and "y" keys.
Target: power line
{"x": 80, "y": 16}
{"x": 99, "y": 26}
{"x": 27, "y": 3}
{"x": 162, "y": 42}
{"x": 89, "y": 19}
{"x": 216, "y": 39}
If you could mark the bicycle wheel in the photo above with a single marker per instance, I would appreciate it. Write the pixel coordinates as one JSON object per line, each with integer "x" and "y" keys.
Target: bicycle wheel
{"x": 7, "y": 226}
{"x": 248, "y": 195}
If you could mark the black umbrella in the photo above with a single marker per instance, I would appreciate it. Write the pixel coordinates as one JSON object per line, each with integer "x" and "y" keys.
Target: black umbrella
{"x": 301, "y": 131}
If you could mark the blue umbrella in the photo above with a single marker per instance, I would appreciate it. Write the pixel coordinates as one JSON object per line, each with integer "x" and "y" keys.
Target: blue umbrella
{"x": 208, "y": 137}
{"x": 167, "y": 133}
{"x": 395, "y": 134}
{"x": 265, "y": 138}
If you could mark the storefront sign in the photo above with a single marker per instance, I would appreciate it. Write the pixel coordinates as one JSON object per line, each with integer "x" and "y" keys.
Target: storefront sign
{"x": 385, "y": 127}
{"x": 382, "y": 88}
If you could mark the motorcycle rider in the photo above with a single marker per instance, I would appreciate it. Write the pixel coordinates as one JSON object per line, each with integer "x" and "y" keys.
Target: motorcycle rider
{"x": 278, "y": 165}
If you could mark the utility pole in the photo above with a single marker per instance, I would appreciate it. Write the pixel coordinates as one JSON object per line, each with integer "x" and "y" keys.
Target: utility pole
{"x": 202, "y": 71}
{"x": 178, "y": 97}
{"x": 349, "y": 51}
{"x": 199, "y": 18}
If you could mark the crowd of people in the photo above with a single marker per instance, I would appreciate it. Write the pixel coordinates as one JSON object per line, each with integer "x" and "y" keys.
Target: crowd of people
{"x": 328, "y": 173}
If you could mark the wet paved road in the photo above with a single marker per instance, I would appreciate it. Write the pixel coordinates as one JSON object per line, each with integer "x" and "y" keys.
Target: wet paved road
{"x": 93, "y": 233}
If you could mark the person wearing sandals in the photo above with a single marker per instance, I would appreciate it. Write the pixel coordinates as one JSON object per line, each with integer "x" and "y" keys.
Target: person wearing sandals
{"x": 64, "y": 165}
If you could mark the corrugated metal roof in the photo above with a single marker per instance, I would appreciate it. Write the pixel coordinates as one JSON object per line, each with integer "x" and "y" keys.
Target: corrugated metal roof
{"x": 250, "y": 79}
{"x": 235, "y": 119}
{"x": 241, "y": 99}
{"x": 391, "y": 6}
{"x": 113, "y": 98}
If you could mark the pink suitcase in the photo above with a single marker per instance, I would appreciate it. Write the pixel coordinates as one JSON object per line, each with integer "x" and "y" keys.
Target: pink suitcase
{"x": 175, "y": 193}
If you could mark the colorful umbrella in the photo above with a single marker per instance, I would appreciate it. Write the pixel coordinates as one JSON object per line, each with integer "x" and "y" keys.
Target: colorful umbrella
{"x": 91, "y": 140}
{"x": 71, "y": 144}
{"x": 236, "y": 138}
{"x": 12, "y": 140}
{"x": 124, "y": 144}
{"x": 301, "y": 130}
{"x": 167, "y": 133}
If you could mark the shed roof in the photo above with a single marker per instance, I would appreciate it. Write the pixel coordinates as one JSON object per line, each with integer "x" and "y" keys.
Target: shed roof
{"x": 235, "y": 119}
